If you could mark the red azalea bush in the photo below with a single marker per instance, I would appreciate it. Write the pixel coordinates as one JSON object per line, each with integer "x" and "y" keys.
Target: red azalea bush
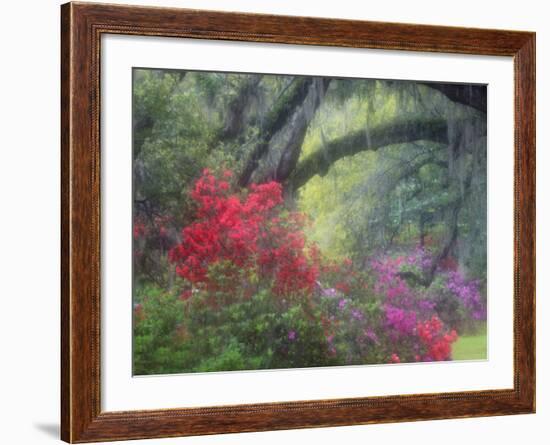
{"x": 437, "y": 342}
{"x": 249, "y": 232}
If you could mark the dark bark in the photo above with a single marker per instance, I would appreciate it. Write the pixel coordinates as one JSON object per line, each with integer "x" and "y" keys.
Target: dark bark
{"x": 428, "y": 277}
{"x": 276, "y": 119}
{"x": 474, "y": 96}
{"x": 396, "y": 132}
{"x": 422, "y": 228}
{"x": 454, "y": 207}
{"x": 234, "y": 116}
{"x": 450, "y": 242}
{"x": 301, "y": 121}
{"x": 142, "y": 129}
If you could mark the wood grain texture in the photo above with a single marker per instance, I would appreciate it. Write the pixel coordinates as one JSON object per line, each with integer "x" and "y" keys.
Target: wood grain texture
{"x": 81, "y": 28}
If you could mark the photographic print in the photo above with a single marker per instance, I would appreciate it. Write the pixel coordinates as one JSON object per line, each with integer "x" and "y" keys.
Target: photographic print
{"x": 299, "y": 248}
{"x": 288, "y": 221}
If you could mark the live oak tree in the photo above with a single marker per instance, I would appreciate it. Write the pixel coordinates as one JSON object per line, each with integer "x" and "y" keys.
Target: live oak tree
{"x": 377, "y": 163}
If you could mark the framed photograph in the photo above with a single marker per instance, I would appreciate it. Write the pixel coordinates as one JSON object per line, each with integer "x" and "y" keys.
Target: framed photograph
{"x": 274, "y": 222}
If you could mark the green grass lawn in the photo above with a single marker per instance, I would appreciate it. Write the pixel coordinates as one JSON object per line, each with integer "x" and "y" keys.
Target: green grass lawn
{"x": 472, "y": 347}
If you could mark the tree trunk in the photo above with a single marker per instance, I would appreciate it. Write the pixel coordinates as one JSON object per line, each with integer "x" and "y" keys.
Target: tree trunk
{"x": 281, "y": 113}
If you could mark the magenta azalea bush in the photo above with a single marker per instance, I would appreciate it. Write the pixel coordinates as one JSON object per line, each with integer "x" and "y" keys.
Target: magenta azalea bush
{"x": 386, "y": 318}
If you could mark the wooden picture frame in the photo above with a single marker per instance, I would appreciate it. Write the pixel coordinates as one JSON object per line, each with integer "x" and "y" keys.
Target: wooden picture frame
{"x": 82, "y": 25}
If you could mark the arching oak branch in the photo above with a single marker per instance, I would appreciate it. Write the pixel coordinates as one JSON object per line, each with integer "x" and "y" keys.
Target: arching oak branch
{"x": 396, "y": 132}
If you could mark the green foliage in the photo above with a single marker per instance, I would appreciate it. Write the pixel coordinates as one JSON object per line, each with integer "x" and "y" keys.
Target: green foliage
{"x": 374, "y": 202}
{"x": 158, "y": 316}
{"x": 259, "y": 332}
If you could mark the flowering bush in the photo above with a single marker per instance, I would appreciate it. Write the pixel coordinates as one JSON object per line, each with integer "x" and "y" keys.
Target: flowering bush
{"x": 467, "y": 292}
{"x": 415, "y": 313}
{"x": 253, "y": 293}
{"x": 251, "y": 232}
{"x": 436, "y": 342}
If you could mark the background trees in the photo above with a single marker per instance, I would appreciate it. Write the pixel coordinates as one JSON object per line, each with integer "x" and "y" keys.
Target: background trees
{"x": 376, "y": 163}
{"x": 290, "y": 221}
